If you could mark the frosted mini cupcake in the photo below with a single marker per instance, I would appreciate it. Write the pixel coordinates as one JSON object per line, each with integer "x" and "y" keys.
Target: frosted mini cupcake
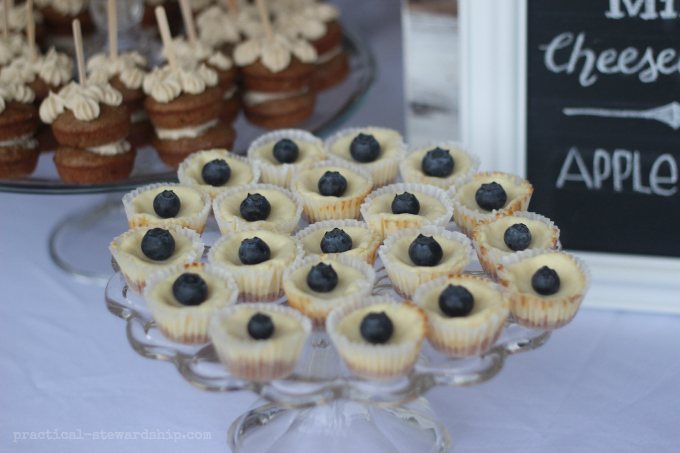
{"x": 167, "y": 204}
{"x": 465, "y": 314}
{"x": 281, "y": 153}
{"x": 438, "y": 164}
{"x": 217, "y": 170}
{"x": 375, "y": 149}
{"x": 346, "y": 237}
{"x": 257, "y": 259}
{"x": 401, "y": 206}
{"x": 259, "y": 342}
{"x": 258, "y": 206}
{"x": 182, "y": 299}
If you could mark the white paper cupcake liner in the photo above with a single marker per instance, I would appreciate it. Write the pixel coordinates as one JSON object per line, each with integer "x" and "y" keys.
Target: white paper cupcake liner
{"x": 213, "y": 192}
{"x": 535, "y": 312}
{"x": 369, "y": 361}
{"x": 321, "y": 208}
{"x": 467, "y": 219}
{"x": 318, "y": 309}
{"x": 254, "y": 283}
{"x": 187, "y": 325}
{"x": 367, "y": 254}
{"x": 281, "y": 175}
{"x": 383, "y": 171}
{"x": 413, "y": 175}
{"x": 407, "y": 279}
{"x": 136, "y": 271}
{"x": 234, "y": 223}
{"x": 490, "y": 257}
{"x": 460, "y": 337}
{"x": 387, "y": 223}
{"x": 194, "y": 222}
{"x": 259, "y": 360}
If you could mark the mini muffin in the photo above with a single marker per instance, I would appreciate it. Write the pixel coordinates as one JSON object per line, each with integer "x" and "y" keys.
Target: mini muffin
{"x": 216, "y": 171}
{"x": 18, "y": 123}
{"x": 375, "y": 149}
{"x": 167, "y": 204}
{"x": 317, "y": 23}
{"x": 259, "y": 342}
{"x": 545, "y": 288}
{"x": 59, "y": 14}
{"x": 142, "y": 251}
{"x": 184, "y": 107}
{"x": 258, "y": 206}
{"x": 125, "y": 73}
{"x": 487, "y": 196}
{"x": 438, "y": 164}
{"x": 332, "y": 190}
{"x": 466, "y": 314}
{"x": 257, "y": 259}
{"x": 182, "y": 298}
{"x": 315, "y": 286}
{"x": 276, "y": 76}
{"x": 281, "y": 153}
{"x": 341, "y": 237}
{"x": 416, "y": 256}
{"x": 401, "y": 206}
{"x": 89, "y": 119}
{"x": 495, "y": 238}
{"x": 377, "y": 337}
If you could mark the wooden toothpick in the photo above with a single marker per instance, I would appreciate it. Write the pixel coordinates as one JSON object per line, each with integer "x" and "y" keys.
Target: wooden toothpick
{"x": 30, "y": 30}
{"x": 233, "y": 8}
{"x": 164, "y": 28}
{"x": 113, "y": 30}
{"x": 80, "y": 56}
{"x": 5, "y": 20}
{"x": 266, "y": 23}
{"x": 188, "y": 18}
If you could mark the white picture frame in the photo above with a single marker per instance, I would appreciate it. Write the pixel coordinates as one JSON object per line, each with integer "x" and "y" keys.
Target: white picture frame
{"x": 493, "y": 124}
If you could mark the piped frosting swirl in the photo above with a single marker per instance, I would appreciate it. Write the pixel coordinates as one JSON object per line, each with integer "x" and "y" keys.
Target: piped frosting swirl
{"x": 189, "y": 55}
{"x": 64, "y": 7}
{"x": 15, "y": 45}
{"x": 164, "y": 85}
{"x": 216, "y": 27}
{"x": 17, "y": 92}
{"x": 276, "y": 55}
{"x": 128, "y": 66}
{"x": 54, "y": 68}
{"x": 83, "y": 101}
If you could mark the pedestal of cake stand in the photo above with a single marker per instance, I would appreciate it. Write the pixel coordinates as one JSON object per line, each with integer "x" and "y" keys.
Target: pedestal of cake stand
{"x": 339, "y": 427}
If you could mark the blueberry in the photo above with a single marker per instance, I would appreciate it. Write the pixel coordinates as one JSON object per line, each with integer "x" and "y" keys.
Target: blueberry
{"x": 322, "y": 278}
{"x": 491, "y": 196}
{"x": 166, "y": 204}
{"x": 216, "y": 172}
{"x": 406, "y": 203}
{"x": 456, "y": 301}
{"x": 190, "y": 289}
{"x": 364, "y": 148}
{"x": 517, "y": 237}
{"x": 286, "y": 151}
{"x": 376, "y": 328}
{"x": 254, "y": 251}
{"x": 332, "y": 184}
{"x": 336, "y": 241}
{"x": 255, "y": 207}
{"x": 545, "y": 281}
{"x": 260, "y": 327}
{"x": 158, "y": 244}
{"x": 438, "y": 163}
{"x": 425, "y": 251}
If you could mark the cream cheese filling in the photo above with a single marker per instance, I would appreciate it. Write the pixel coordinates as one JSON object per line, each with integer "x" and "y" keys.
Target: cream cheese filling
{"x": 347, "y": 280}
{"x": 308, "y": 184}
{"x": 328, "y": 56}
{"x": 236, "y": 326}
{"x": 308, "y": 152}
{"x": 111, "y": 149}
{"x": 430, "y": 207}
{"x": 405, "y": 321}
{"x": 241, "y": 172}
{"x": 185, "y": 132}
{"x": 466, "y": 194}
{"x": 461, "y": 163}
{"x": 483, "y": 292}
{"x": 27, "y": 141}
{"x": 388, "y": 140}
{"x": 361, "y": 238}
{"x": 283, "y": 250}
{"x": 283, "y": 209}
{"x": 572, "y": 280}
{"x": 191, "y": 202}
{"x": 230, "y": 92}
{"x": 493, "y": 234}
{"x": 260, "y": 97}
{"x": 218, "y": 292}
{"x": 132, "y": 246}
{"x": 454, "y": 253}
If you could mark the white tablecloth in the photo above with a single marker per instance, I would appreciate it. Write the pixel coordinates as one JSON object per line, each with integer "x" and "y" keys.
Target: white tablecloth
{"x": 607, "y": 382}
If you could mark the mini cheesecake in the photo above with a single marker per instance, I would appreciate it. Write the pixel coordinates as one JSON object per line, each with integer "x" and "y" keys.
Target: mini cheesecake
{"x": 259, "y": 342}
{"x": 375, "y": 149}
{"x": 401, "y": 206}
{"x": 276, "y": 77}
{"x": 89, "y": 120}
{"x": 332, "y": 190}
{"x": 18, "y": 124}
{"x": 377, "y": 337}
{"x": 416, "y": 256}
{"x": 488, "y": 196}
{"x": 341, "y": 237}
{"x": 216, "y": 171}
{"x": 438, "y": 164}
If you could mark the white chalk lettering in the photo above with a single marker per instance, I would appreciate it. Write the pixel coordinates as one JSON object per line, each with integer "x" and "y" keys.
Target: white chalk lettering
{"x": 582, "y": 174}
{"x": 602, "y": 167}
{"x": 633, "y": 8}
{"x": 655, "y": 180}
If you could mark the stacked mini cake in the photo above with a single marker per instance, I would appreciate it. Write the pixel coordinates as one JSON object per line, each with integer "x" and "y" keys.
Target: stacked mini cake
{"x": 18, "y": 123}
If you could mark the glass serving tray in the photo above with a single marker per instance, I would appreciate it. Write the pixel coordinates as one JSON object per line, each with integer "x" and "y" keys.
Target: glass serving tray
{"x": 333, "y": 108}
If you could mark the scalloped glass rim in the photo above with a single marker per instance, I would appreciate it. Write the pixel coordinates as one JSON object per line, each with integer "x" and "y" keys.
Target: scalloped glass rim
{"x": 345, "y": 100}
{"x": 321, "y": 376}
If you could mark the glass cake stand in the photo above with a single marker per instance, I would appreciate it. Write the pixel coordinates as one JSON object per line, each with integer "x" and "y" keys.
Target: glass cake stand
{"x": 79, "y": 244}
{"x": 322, "y": 406}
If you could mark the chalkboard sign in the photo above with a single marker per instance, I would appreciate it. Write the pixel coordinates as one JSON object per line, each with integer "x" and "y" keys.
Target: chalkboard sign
{"x": 603, "y": 122}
